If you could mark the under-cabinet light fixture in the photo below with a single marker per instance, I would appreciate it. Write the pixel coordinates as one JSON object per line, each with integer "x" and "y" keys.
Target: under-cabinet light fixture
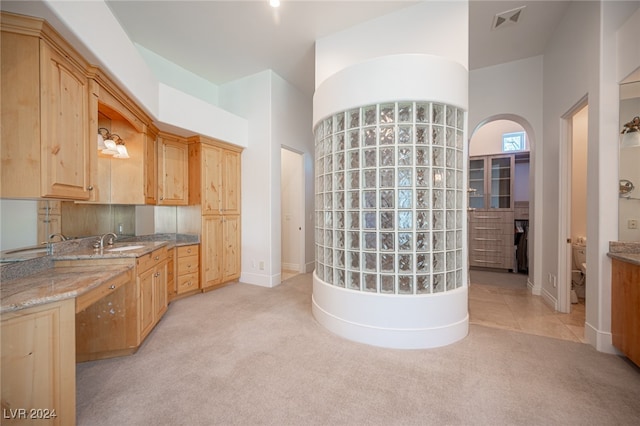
{"x": 631, "y": 134}
{"x": 111, "y": 144}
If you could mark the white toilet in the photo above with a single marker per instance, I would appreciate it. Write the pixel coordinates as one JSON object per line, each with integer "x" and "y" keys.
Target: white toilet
{"x": 579, "y": 271}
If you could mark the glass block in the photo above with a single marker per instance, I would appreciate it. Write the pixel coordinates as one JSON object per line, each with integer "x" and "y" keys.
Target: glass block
{"x": 459, "y": 235}
{"x": 459, "y": 219}
{"x": 405, "y": 284}
{"x": 423, "y": 284}
{"x": 450, "y": 158}
{"x": 458, "y": 179}
{"x": 422, "y": 135}
{"x": 370, "y": 180}
{"x": 460, "y": 119}
{"x": 438, "y": 198}
{"x": 370, "y": 283}
{"x": 338, "y": 220}
{"x": 387, "y": 198}
{"x": 460, "y": 163}
{"x": 328, "y": 256}
{"x": 438, "y": 283}
{"x": 354, "y": 260}
{"x": 354, "y": 220}
{"x": 450, "y": 220}
{"x": 438, "y": 240}
{"x": 354, "y": 139}
{"x": 328, "y": 238}
{"x": 354, "y": 240}
{"x": 339, "y": 142}
{"x": 437, "y": 135}
{"x": 438, "y": 178}
{"x": 338, "y": 178}
{"x": 387, "y": 113}
{"x": 338, "y": 199}
{"x": 422, "y": 112}
{"x": 437, "y": 156}
{"x": 339, "y": 263}
{"x": 353, "y": 199}
{"x": 338, "y": 121}
{"x": 422, "y": 219}
{"x": 370, "y": 262}
{"x": 451, "y": 281}
{"x": 459, "y": 140}
{"x": 437, "y": 113}
{"x": 450, "y": 178}
{"x": 459, "y": 199}
{"x": 422, "y": 262}
{"x": 387, "y": 178}
{"x": 354, "y": 280}
{"x": 369, "y": 240}
{"x": 387, "y": 157}
{"x": 354, "y": 159}
{"x": 387, "y": 262}
{"x": 328, "y": 201}
{"x": 320, "y": 270}
{"x": 369, "y": 113}
{"x": 320, "y": 254}
{"x": 328, "y": 164}
{"x": 422, "y": 156}
{"x": 404, "y": 177}
{"x": 405, "y": 156}
{"x": 450, "y": 137}
{"x": 450, "y": 114}
{"x": 354, "y": 179}
{"x": 450, "y": 202}
{"x": 437, "y": 219}
{"x": 387, "y": 284}
{"x": 438, "y": 262}
{"x": 422, "y": 198}
{"x": 369, "y": 199}
{"x": 405, "y": 198}
{"x": 387, "y": 135}
{"x": 339, "y": 239}
{"x": 370, "y": 158}
{"x": 386, "y": 220}
{"x": 405, "y": 220}
{"x": 338, "y": 163}
{"x": 404, "y": 241}
{"x": 369, "y": 219}
{"x": 353, "y": 118}
{"x": 422, "y": 177}
{"x": 387, "y": 241}
{"x": 339, "y": 278}
{"x": 451, "y": 260}
{"x": 369, "y": 137}
{"x": 405, "y": 112}
{"x": 405, "y": 134}
{"x": 458, "y": 278}
{"x": 422, "y": 241}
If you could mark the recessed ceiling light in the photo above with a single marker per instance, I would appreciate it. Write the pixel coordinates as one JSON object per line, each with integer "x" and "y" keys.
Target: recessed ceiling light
{"x": 274, "y": 3}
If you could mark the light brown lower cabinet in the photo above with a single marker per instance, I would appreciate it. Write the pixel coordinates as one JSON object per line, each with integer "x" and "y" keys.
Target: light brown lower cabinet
{"x": 220, "y": 250}
{"x": 187, "y": 267}
{"x": 39, "y": 366}
{"x": 625, "y": 315}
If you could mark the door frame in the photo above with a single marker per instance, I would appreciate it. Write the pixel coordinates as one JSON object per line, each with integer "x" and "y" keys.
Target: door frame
{"x": 300, "y": 201}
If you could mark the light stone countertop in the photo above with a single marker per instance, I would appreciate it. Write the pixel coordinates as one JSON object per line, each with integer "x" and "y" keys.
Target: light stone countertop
{"x": 54, "y": 284}
{"x": 626, "y": 257}
{"x": 108, "y": 253}
{"x": 626, "y": 251}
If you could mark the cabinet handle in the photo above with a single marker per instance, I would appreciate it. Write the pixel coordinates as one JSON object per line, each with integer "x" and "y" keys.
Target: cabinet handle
{"x": 112, "y": 287}
{"x": 157, "y": 274}
{"x": 90, "y": 188}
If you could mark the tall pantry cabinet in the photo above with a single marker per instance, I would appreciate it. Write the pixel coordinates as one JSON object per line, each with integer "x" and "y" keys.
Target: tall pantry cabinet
{"x": 214, "y": 184}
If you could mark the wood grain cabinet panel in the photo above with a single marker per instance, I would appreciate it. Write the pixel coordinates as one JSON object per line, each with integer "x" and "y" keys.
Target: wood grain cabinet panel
{"x": 173, "y": 171}
{"x": 625, "y": 315}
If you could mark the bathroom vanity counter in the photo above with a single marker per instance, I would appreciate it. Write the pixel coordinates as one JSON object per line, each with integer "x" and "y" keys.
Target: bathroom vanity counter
{"x": 625, "y": 251}
{"x": 633, "y": 258}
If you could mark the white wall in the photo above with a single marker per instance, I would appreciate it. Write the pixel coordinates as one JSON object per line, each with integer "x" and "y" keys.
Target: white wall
{"x": 487, "y": 140}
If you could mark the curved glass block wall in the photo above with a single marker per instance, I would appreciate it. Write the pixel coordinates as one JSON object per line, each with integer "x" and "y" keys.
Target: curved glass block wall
{"x": 389, "y": 198}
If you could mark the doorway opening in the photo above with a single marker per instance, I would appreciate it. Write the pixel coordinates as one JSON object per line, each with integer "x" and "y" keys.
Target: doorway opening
{"x": 292, "y": 217}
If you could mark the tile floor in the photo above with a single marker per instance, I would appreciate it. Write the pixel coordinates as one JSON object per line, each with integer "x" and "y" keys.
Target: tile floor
{"x": 502, "y": 300}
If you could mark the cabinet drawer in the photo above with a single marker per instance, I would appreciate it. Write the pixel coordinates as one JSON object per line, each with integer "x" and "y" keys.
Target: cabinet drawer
{"x": 187, "y": 265}
{"x": 148, "y": 260}
{"x": 187, "y": 282}
{"x": 490, "y": 260}
{"x": 188, "y": 250}
{"x": 87, "y": 299}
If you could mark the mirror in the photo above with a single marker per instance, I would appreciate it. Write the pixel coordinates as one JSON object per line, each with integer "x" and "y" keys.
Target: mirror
{"x": 629, "y": 189}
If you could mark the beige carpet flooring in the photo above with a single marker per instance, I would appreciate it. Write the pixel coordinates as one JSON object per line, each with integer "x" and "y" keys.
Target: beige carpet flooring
{"x": 246, "y": 355}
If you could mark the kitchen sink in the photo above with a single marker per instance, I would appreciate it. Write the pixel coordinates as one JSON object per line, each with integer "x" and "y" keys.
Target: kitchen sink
{"x": 126, "y": 248}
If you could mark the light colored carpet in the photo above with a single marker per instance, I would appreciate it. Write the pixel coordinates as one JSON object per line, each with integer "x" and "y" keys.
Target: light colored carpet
{"x": 246, "y": 355}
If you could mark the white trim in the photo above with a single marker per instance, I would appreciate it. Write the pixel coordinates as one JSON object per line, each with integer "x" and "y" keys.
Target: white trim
{"x": 601, "y": 340}
{"x": 549, "y": 299}
{"x": 291, "y": 267}
{"x": 535, "y": 289}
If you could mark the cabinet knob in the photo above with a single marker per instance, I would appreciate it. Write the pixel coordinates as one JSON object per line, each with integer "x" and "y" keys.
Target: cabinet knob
{"x": 188, "y": 250}
{"x": 112, "y": 287}
{"x": 90, "y": 188}
{"x": 157, "y": 274}
{"x": 157, "y": 257}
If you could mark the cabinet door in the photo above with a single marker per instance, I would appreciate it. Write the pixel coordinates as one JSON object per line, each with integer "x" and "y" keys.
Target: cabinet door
{"x": 64, "y": 115}
{"x": 476, "y": 184}
{"x": 210, "y": 252}
{"x": 160, "y": 291}
{"x": 150, "y": 169}
{"x": 231, "y": 182}
{"x": 231, "y": 247}
{"x": 173, "y": 173}
{"x": 145, "y": 284}
{"x": 211, "y": 180}
{"x": 501, "y": 182}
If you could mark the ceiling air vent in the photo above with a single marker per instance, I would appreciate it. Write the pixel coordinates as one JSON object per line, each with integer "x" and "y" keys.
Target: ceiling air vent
{"x": 508, "y": 18}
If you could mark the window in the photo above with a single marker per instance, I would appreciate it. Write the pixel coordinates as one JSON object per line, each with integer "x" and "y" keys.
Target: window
{"x": 513, "y": 142}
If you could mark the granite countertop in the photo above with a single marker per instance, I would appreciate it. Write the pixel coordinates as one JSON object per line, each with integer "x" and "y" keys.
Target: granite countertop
{"x": 625, "y": 251}
{"x": 114, "y": 251}
{"x": 626, "y": 257}
{"x": 55, "y": 284}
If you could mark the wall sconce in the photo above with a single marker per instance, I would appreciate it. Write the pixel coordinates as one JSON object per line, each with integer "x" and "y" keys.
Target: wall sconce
{"x": 631, "y": 134}
{"x": 111, "y": 144}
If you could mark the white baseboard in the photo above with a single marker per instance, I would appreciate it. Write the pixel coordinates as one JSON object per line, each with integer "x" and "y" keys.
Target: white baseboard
{"x": 549, "y": 299}
{"x": 309, "y": 267}
{"x": 601, "y": 340}
{"x": 262, "y": 280}
{"x": 536, "y": 290}
{"x": 290, "y": 267}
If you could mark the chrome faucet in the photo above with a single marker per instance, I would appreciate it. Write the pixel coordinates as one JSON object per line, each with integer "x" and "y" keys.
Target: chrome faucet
{"x": 61, "y": 236}
{"x": 110, "y": 241}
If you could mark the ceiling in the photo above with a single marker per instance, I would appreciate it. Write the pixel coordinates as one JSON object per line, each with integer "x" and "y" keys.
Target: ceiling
{"x": 222, "y": 41}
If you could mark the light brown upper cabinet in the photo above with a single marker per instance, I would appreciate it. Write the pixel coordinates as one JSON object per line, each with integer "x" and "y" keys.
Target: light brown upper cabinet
{"x": 45, "y": 113}
{"x": 173, "y": 170}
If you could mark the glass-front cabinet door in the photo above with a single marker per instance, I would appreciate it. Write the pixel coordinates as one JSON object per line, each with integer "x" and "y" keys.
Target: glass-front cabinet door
{"x": 476, "y": 183}
{"x": 501, "y": 174}
{"x": 491, "y": 182}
